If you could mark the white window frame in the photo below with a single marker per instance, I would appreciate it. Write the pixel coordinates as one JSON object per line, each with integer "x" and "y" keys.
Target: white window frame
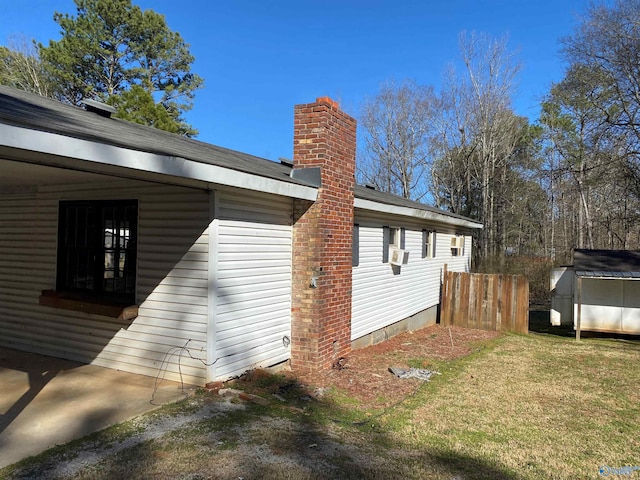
{"x": 393, "y": 239}
{"x": 457, "y": 251}
{"x": 429, "y": 246}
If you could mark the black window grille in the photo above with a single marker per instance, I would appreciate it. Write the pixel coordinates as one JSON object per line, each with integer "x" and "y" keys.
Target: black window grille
{"x": 97, "y": 247}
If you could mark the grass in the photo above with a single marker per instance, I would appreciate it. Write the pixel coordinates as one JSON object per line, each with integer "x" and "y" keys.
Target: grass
{"x": 536, "y": 407}
{"x": 520, "y": 407}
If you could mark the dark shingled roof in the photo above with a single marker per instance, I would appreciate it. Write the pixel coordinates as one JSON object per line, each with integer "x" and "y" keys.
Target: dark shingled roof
{"x": 606, "y": 260}
{"x": 40, "y": 113}
{"x": 367, "y": 193}
{"x": 32, "y": 111}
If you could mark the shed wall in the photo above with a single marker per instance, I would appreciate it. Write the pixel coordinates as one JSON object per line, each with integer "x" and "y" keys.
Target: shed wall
{"x": 609, "y": 305}
{"x": 561, "y": 285}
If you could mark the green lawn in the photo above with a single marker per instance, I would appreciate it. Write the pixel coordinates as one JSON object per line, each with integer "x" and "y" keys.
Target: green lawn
{"x": 531, "y": 407}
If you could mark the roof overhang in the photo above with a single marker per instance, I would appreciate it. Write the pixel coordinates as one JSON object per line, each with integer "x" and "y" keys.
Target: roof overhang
{"x": 606, "y": 275}
{"x": 415, "y": 213}
{"x": 35, "y": 146}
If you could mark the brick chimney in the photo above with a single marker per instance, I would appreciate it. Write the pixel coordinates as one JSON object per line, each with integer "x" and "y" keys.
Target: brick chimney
{"x": 324, "y": 137}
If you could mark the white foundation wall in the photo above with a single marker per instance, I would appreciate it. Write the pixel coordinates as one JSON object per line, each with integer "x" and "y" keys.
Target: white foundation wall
{"x": 383, "y": 295}
{"x": 252, "y": 279}
{"x": 172, "y": 281}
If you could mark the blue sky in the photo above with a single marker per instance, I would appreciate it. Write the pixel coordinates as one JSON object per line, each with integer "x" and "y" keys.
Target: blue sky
{"x": 259, "y": 57}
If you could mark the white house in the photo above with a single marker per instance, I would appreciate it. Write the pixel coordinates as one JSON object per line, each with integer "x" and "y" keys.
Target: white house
{"x": 132, "y": 248}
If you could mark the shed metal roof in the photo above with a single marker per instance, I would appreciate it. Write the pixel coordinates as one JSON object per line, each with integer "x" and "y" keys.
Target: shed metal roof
{"x": 608, "y": 275}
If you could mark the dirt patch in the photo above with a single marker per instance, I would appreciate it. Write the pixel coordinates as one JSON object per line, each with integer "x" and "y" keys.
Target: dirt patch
{"x": 365, "y": 374}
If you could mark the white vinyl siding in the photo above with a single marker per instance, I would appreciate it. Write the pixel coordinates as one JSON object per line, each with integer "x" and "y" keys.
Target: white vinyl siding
{"x": 382, "y": 294}
{"x": 253, "y": 281}
{"x": 171, "y": 285}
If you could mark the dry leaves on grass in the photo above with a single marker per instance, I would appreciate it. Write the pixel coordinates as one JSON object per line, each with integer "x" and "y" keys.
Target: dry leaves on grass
{"x": 366, "y": 375}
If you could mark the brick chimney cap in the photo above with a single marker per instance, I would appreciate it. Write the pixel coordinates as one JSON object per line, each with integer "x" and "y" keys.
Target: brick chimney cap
{"x": 329, "y": 101}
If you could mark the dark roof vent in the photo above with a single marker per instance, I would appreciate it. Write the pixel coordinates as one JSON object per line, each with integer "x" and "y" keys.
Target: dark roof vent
{"x": 286, "y": 161}
{"x": 100, "y": 108}
{"x": 370, "y": 186}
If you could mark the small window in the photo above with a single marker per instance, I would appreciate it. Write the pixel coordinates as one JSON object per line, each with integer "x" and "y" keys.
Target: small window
{"x": 428, "y": 244}
{"x": 457, "y": 246}
{"x": 392, "y": 237}
{"x": 97, "y": 249}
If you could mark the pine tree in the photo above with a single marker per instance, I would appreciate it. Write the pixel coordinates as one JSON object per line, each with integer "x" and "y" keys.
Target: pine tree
{"x": 114, "y": 51}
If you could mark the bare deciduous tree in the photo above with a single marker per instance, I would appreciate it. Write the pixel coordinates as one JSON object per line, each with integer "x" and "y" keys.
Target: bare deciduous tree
{"x": 607, "y": 43}
{"x": 477, "y": 136}
{"x": 397, "y": 128}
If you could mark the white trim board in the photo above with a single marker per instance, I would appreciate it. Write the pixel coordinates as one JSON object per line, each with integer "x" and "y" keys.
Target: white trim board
{"x": 414, "y": 213}
{"x": 69, "y": 151}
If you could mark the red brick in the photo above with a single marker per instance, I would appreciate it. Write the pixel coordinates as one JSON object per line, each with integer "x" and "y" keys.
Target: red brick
{"x": 322, "y": 236}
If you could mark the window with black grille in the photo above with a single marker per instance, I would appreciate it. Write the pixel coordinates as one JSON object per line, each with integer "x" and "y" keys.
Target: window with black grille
{"x": 97, "y": 243}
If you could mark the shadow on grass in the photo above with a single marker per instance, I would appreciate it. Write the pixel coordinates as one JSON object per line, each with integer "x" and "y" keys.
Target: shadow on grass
{"x": 300, "y": 434}
{"x": 540, "y": 322}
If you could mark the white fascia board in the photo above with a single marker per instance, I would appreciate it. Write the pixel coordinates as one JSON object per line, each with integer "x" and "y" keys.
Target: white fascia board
{"x": 414, "y": 213}
{"x": 99, "y": 153}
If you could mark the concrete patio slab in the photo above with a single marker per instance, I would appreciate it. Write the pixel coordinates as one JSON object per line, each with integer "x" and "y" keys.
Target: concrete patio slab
{"x": 46, "y": 401}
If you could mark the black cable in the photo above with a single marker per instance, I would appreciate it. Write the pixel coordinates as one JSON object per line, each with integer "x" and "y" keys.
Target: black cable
{"x": 164, "y": 365}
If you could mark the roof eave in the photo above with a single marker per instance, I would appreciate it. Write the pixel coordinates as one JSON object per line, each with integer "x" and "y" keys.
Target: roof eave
{"x": 90, "y": 156}
{"x": 415, "y": 213}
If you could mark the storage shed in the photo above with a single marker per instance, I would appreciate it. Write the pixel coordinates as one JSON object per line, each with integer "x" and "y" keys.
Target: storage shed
{"x": 605, "y": 291}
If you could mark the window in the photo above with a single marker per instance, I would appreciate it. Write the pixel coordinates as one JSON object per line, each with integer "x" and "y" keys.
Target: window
{"x": 457, "y": 246}
{"x": 391, "y": 238}
{"x": 428, "y": 244}
{"x": 97, "y": 249}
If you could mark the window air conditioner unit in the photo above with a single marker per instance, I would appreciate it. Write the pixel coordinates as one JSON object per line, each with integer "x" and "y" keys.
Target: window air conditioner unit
{"x": 397, "y": 256}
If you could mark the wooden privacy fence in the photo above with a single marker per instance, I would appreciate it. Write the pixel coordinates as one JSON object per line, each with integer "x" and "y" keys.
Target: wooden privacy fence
{"x": 486, "y": 302}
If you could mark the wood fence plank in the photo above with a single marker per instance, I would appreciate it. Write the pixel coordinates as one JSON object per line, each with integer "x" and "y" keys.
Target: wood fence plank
{"x": 497, "y": 299}
{"x": 489, "y": 313}
{"x": 450, "y": 298}
{"x": 455, "y": 298}
{"x": 443, "y": 298}
{"x": 459, "y": 313}
{"x": 453, "y": 294}
{"x": 473, "y": 301}
{"x": 464, "y": 300}
{"x": 506, "y": 326}
{"x": 523, "y": 305}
